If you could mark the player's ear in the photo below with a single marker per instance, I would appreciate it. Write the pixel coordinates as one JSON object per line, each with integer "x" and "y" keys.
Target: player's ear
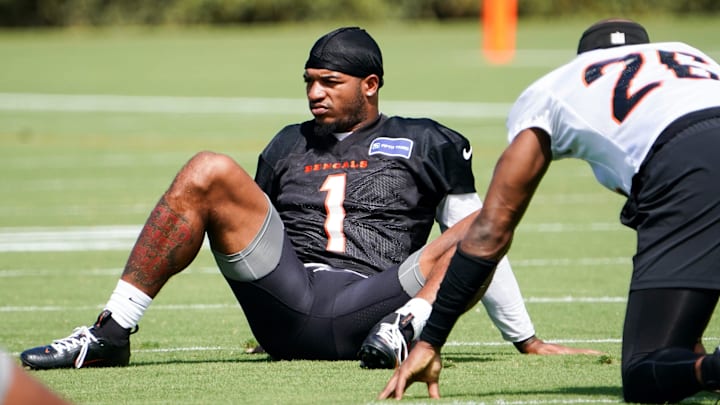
{"x": 370, "y": 85}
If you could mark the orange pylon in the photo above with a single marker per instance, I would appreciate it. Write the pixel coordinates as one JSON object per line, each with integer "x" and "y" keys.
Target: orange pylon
{"x": 499, "y": 23}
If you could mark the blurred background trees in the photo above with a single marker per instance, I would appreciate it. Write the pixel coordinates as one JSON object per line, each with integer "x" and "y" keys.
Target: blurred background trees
{"x": 63, "y": 13}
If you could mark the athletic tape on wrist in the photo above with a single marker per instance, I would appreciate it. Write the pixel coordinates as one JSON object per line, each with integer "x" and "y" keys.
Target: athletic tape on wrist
{"x": 465, "y": 276}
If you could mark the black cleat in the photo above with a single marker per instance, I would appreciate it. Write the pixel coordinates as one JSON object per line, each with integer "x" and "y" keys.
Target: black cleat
{"x": 387, "y": 344}
{"x": 83, "y": 348}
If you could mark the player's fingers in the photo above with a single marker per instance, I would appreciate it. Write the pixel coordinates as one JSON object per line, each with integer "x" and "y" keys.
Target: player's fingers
{"x": 433, "y": 389}
{"x": 400, "y": 388}
{"x": 389, "y": 388}
{"x": 590, "y": 351}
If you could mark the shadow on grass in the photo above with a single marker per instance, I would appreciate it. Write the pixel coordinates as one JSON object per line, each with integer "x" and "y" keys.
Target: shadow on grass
{"x": 607, "y": 392}
{"x": 264, "y": 358}
{"x": 469, "y": 357}
{"x": 614, "y": 392}
{"x": 241, "y": 359}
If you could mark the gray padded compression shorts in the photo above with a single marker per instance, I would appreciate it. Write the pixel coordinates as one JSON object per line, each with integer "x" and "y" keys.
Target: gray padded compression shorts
{"x": 260, "y": 257}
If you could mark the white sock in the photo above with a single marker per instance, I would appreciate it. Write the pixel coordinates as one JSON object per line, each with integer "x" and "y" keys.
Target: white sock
{"x": 127, "y": 304}
{"x": 421, "y": 312}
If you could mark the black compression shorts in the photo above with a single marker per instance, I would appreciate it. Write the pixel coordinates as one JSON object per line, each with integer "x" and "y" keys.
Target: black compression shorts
{"x": 675, "y": 208}
{"x": 316, "y": 312}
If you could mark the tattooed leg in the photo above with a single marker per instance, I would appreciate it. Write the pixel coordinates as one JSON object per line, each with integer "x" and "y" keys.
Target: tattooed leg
{"x": 167, "y": 244}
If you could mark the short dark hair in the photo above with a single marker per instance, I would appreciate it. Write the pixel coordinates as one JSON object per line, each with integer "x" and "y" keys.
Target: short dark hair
{"x": 610, "y": 33}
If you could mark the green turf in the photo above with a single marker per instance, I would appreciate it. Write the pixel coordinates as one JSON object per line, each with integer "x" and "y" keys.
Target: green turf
{"x": 62, "y": 170}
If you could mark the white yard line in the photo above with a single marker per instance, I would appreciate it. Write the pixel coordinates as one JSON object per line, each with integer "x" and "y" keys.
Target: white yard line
{"x": 159, "y": 307}
{"x": 83, "y": 103}
{"x": 122, "y": 237}
{"x": 448, "y": 344}
{"x": 224, "y": 306}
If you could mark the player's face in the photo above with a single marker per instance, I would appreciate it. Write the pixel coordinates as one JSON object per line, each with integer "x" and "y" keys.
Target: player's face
{"x": 335, "y": 99}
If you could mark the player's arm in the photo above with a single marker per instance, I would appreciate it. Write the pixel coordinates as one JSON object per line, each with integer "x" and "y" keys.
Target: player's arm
{"x": 517, "y": 175}
{"x": 19, "y": 387}
{"x": 503, "y": 300}
{"x": 515, "y": 179}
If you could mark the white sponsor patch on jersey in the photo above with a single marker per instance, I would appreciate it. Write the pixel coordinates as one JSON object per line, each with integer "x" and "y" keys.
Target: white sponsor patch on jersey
{"x": 400, "y": 147}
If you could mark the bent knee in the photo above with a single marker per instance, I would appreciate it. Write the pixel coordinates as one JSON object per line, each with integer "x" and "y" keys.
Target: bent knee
{"x": 662, "y": 376}
{"x": 211, "y": 165}
{"x": 206, "y": 170}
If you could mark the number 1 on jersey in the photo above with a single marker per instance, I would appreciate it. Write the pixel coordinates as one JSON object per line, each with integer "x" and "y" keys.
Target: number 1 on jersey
{"x": 335, "y": 186}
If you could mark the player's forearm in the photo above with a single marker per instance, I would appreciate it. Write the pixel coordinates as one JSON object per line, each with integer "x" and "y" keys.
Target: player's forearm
{"x": 465, "y": 277}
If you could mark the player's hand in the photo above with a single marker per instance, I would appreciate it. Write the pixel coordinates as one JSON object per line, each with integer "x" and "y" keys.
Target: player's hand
{"x": 423, "y": 364}
{"x": 538, "y": 346}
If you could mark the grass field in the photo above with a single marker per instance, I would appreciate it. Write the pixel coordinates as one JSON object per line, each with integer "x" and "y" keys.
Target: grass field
{"x": 94, "y": 124}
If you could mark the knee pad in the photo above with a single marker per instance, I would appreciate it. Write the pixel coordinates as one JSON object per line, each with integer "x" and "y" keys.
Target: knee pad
{"x": 411, "y": 279}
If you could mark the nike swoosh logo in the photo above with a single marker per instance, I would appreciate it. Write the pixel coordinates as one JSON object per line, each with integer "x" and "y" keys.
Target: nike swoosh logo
{"x": 136, "y": 303}
{"x": 467, "y": 153}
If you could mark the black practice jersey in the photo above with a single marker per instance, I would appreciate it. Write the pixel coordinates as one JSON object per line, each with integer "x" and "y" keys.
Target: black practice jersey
{"x": 366, "y": 202}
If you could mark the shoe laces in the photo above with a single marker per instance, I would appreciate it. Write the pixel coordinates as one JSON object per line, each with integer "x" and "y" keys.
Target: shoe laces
{"x": 390, "y": 332}
{"x": 81, "y": 337}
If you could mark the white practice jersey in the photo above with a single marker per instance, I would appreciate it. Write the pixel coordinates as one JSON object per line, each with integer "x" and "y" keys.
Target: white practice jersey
{"x": 608, "y": 106}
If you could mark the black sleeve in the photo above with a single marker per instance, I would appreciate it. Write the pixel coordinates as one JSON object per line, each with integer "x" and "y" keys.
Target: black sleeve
{"x": 466, "y": 276}
{"x": 450, "y": 154}
{"x": 272, "y": 159}
{"x": 265, "y": 176}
